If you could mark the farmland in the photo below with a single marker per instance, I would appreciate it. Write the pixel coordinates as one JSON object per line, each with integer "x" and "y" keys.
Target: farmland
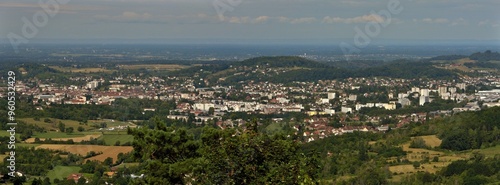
{"x": 81, "y": 70}
{"x": 107, "y": 151}
{"x": 425, "y": 158}
{"x": 52, "y": 125}
{"x": 160, "y": 67}
{"x": 63, "y": 137}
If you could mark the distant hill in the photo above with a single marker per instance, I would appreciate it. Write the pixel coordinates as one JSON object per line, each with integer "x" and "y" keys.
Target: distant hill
{"x": 486, "y": 56}
{"x": 479, "y": 56}
{"x": 448, "y": 57}
{"x": 281, "y": 61}
{"x": 288, "y": 69}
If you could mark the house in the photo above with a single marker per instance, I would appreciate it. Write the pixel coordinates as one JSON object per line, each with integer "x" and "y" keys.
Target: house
{"x": 75, "y": 177}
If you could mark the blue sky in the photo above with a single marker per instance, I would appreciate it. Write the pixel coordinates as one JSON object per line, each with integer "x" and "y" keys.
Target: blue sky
{"x": 256, "y": 19}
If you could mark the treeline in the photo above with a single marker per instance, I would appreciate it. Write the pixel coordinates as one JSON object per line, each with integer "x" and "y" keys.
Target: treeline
{"x": 38, "y": 162}
{"x": 121, "y": 109}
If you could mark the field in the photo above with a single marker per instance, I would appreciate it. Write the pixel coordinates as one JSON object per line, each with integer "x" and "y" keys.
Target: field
{"x": 432, "y": 140}
{"x": 61, "y": 172}
{"x": 432, "y": 167}
{"x": 53, "y": 125}
{"x": 489, "y": 152}
{"x": 81, "y": 70}
{"x": 166, "y": 67}
{"x": 4, "y": 134}
{"x": 2, "y": 156}
{"x": 57, "y": 136}
{"x": 107, "y": 151}
{"x": 418, "y": 154}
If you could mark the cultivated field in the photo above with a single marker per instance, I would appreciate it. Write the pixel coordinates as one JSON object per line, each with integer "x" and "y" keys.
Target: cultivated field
{"x": 74, "y": 138}
{"x": 166, "y": 67}
{"x": 107, "y": 151}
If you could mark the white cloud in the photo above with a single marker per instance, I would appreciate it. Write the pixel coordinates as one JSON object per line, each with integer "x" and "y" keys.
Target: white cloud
{"x": 432, "y": 21}
{"x": 460, "y": 21}
{"x": 359, "y": 19}
{"x": 494, "y": 24}
{"x": 303, "y": 20}
{"x": 126, "y": 17}
{"x": 261, "y": 19}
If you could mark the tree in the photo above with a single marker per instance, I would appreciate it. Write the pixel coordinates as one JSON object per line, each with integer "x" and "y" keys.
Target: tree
{"x": 80, "y": 129}
{"x": 61, "y": 126}
{"x": 81, "y": 181}
{"x": 108, "y": 161}
{"x": 418, "y": 142}
{"x": 69, "y": 130}
{"x": 416, "y": 164}
{"x": 221, "y": 157}
{"x": 211, "y": 111}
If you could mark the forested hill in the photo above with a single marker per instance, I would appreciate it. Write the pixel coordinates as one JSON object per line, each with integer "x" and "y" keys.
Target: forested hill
{"x": 281, "y": 61}
{"x": 290, "y": 68}
{"x": 479, "y": 56}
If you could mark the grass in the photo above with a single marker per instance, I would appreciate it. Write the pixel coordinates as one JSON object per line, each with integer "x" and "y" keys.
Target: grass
{"x": 274, "y": 127}
{"x": 61, "y": 172}
{"x": 432, "y": 140}
{"x": 55, "y": 122}
{"x": 2, "y": 134}
{"x": 489, "y": 152}
{"x": 27, "y": 145}
{"x": 2, "y": 156}
{"x": 111, "y": 139}
{"x": 108, "y": 123}
{"x": 57, "y": 135}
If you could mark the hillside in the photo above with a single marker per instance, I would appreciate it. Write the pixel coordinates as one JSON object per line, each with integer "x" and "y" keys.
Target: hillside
{"x": 288, "y": 69}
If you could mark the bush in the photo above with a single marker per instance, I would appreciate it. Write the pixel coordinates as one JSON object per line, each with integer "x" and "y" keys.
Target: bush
{"x": 418, "y": 143}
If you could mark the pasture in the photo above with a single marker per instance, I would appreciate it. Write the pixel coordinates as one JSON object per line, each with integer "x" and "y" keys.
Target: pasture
{"x": 52, "y": 125}
{"x": 61, "y": 172}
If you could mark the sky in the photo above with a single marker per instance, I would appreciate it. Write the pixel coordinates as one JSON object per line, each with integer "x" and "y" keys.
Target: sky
{"x": 313, "y": 20}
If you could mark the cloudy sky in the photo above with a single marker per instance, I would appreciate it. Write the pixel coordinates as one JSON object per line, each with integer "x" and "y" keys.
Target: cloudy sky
{"x": 253, "y": 19}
